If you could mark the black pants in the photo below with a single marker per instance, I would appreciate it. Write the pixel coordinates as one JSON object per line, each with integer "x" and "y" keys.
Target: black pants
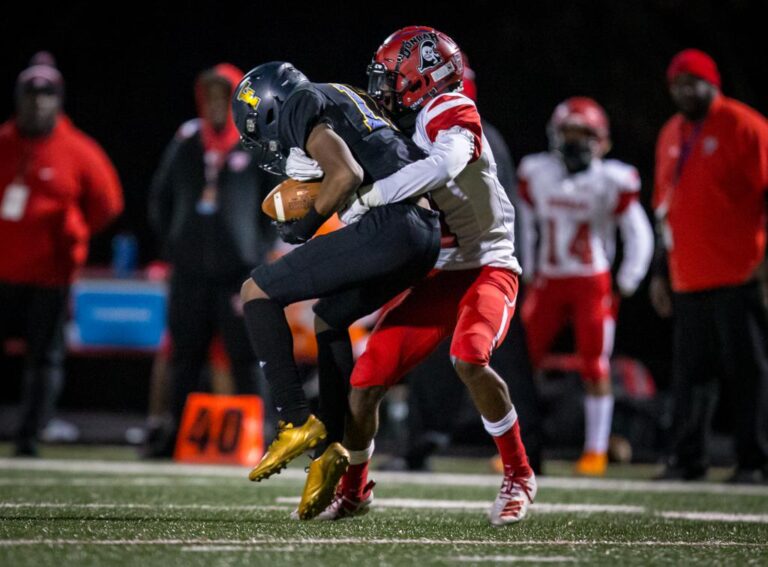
{"x": 720, "y": 334}
{"x": 357, "y": 269}
{"x": 198, "y": 309}
{"x": 37, "y": 315}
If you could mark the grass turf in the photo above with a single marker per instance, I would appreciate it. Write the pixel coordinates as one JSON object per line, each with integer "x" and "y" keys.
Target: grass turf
{"x": 155, "y": 516}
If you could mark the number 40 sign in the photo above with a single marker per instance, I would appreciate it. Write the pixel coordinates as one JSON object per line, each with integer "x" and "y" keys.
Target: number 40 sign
{"x": 221, "y": 429}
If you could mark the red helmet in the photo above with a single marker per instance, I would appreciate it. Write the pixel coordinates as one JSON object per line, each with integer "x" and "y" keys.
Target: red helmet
{"x": 582, "y": 112}
{"x": 413, "y": 65}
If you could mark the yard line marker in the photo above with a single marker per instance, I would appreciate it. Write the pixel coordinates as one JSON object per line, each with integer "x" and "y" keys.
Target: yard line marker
{"x": 716, "y": 517}
{"x": 371, "y": 541}
{"x": 87, "y": 468}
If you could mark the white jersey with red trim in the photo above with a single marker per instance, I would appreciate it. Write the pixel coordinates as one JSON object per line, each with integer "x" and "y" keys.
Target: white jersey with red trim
{"x": 477, "y": 215}
{"x": 577, "y": 214}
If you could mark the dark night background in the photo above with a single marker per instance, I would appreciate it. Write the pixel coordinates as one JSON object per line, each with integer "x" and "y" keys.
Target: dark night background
{"x": 129, "y": 75}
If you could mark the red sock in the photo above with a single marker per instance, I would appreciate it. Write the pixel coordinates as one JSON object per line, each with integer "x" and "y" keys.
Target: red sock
{"x": 512, "y": 452}
{"x": 354, "y": 480}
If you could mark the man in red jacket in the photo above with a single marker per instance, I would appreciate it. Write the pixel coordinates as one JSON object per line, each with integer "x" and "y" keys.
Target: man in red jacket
{"x": 709, "y": 200}
{"x": 57, "y": 187}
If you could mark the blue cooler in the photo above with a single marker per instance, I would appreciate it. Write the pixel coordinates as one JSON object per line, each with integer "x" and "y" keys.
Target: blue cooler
{"x": 119, "y": 313}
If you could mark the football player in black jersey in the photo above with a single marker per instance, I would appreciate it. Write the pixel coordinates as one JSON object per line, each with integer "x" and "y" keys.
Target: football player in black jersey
{"x": 354, "y": 270}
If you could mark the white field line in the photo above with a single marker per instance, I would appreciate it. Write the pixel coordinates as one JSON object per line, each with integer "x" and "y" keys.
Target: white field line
{"x": 510, "y": 559}
{"x": 371, "y": 541}
{"x": 133, "y": 506}
{"x": 716, "y": 517}
{"x": 288, "y": 503}
{"x": 86, "y": 467}
{"x": 424, "y": 504}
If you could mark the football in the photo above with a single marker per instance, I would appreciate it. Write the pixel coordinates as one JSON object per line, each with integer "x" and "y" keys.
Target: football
{"x": 290, "y": 200}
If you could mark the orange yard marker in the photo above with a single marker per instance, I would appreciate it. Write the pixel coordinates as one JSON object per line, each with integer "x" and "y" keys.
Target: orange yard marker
{"x": 221, "y": 429}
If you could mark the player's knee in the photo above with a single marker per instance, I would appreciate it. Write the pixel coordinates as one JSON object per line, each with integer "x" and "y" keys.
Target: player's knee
{"x": 468, "y": 371}
{"x": 471, "y": 348}
{"x": 595, "y": 369}
{"x": 250, "y": 291}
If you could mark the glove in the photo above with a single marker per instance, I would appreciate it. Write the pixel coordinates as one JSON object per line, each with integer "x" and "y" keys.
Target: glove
{"x": 301, "y": 167}
{"x": 370, "y": 196}
{"x": 300, "y": 231}
{"x": 353, "y": 211}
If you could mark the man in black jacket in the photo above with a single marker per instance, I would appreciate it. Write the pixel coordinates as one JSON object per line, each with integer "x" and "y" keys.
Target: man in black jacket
{"x": 205, "y": 207}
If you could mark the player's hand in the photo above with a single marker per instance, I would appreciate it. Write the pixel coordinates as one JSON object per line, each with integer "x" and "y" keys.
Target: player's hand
{"x": 300, "y": 231}
{"x": 661, "y": 296}
{"x": 353, "y": 212}
{"x": 285, "y": 230}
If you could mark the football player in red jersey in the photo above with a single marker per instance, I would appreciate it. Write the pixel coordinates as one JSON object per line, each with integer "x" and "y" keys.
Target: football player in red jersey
{"x": 575, "y": 199}
{"x": 416, "y": 74}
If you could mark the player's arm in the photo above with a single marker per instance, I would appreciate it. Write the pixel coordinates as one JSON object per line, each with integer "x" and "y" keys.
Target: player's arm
{"x": 452, "y": 151}
{"x": 637, "y": 236}
{"x": 455, "y": 129}
{"x": 343, "y": 176}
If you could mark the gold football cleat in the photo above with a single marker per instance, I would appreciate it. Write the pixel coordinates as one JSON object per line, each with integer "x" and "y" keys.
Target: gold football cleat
{"x": 290, "y": 443}
{"x": 324, "y": 474}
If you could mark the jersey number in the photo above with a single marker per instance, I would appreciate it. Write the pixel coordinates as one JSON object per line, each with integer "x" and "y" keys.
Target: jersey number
{"x": 579, "y": 247}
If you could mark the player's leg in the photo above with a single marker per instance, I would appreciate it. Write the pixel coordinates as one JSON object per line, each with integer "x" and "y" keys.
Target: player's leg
{"x": 484, "y": 315}
{"x": 594, "y": 326}
{"x": 543, "y": 314}
{"x": 335, "y": 361}
{"x": 410, "y": 328}
{"x": 385, "y": 240}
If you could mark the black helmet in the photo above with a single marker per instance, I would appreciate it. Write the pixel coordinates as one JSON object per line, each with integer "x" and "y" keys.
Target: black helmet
{"x": 256, "y": 106}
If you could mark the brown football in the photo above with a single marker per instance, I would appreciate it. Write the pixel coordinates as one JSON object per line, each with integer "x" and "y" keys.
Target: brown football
{"x": 290, "y": 200}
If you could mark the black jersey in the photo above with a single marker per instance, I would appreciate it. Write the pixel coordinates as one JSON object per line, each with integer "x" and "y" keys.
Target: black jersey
{"x": 377, "y": 145}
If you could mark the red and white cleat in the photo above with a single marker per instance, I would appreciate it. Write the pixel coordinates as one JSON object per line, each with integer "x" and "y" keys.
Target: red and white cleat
{"x": 515, "y": 496}
{"x": 343, "y": 506}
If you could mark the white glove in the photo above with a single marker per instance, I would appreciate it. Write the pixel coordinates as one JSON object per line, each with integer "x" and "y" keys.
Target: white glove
{"x": 370, "y": 196}
{"x": 301, "y": 167}
{"x": 352, "y": 212}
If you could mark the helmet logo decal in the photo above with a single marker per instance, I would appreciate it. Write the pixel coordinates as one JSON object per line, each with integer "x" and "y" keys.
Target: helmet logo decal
{"x": 248, "y": 96}
{"x": 429, "y": 55}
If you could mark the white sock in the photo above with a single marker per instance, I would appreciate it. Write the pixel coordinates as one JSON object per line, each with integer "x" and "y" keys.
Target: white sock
{"x": 362, "y": 456}
{"x": 499, "y": 428}
{"x": 598, "y": 414}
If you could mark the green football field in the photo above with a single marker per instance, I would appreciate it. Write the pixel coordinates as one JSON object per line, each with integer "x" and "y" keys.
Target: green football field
{"x": 79, "y": 511}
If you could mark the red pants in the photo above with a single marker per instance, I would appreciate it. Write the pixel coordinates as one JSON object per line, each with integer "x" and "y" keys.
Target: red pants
{"x": 587, "y": 303}
{"x": 475, "y": 306}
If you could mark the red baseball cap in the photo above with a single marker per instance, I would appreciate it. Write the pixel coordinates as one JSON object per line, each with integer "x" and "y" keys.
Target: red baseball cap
{"x": 694, "y": 62}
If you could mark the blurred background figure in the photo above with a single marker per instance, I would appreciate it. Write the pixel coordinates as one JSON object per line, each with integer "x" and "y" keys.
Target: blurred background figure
{"x": 574, "y": 199}
{"x": 431, "y": 412}
{"x": 709, "y": 201}
{"x": 205, "y": 204}
{"x": 57, "y": 188}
